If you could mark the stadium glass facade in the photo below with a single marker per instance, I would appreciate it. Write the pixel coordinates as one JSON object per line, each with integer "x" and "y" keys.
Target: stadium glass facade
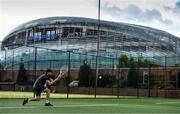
{"x": 51, "y": 42}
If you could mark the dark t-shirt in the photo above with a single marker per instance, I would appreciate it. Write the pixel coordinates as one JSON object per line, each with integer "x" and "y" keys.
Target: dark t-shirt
{"x": 41, "y": 81}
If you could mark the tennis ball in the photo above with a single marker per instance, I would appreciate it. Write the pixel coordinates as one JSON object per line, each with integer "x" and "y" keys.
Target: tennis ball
{"x": 100, "y": 77}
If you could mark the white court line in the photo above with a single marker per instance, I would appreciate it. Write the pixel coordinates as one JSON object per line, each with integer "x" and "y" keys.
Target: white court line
{"x": 86, "y": 105}
{"x": 15, "y": 107}
{"x": 168, "y": 103}
{"x": 92, "y": 113}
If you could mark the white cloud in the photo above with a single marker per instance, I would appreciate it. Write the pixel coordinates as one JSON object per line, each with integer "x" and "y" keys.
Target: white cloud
{"x": 145, "y": 12}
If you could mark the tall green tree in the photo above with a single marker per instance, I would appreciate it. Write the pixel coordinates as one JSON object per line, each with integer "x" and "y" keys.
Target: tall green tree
{"x": 1, "y": 66}
{"x": 1, "y": 72}
{"x": 85, "y": 75}
{"x": 132, "y": 74}
{"x": 123, "y": 61}
{"x": 22, "y": 77}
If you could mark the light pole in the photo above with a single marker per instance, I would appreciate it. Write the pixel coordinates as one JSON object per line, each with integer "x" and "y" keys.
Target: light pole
{"x": 97, "y": 50}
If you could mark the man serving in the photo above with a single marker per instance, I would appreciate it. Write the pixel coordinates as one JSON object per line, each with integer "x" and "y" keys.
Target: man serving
{"x": 42, "y": 84}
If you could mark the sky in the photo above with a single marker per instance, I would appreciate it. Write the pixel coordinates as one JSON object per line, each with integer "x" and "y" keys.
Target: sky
{"x": 159, "y": 14}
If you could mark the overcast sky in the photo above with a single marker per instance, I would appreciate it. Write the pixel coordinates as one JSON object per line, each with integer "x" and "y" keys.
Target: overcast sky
{"x": 159, "y": 14}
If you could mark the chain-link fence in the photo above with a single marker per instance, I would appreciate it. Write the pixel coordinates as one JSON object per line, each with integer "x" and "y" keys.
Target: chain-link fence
{"x": 123, "y": 76}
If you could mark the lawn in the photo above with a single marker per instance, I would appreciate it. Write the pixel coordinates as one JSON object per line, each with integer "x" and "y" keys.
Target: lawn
{"x": 103, "y": 104}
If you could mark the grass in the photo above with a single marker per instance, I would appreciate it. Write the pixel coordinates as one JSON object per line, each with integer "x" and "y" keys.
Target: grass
{"x": 10, "y": 102}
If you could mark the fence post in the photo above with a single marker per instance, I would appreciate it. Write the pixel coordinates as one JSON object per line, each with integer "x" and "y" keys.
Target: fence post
{"x": 119, "y": 81}
{"x": 138, "y": 70}
{"x": 165, "y": 76}
{"x": 35, "y": 60}
{"x": 176, "y": 83}
{"x": 97, "y": 50}
{"x": 69, "y": 68}
{"x": 149, "y": 81}
{"x": 137, "y": 82}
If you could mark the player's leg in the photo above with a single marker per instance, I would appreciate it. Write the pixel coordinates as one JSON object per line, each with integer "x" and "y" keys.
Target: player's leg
{"x": 47, "y": 90}
{"x": 36, "y": 98}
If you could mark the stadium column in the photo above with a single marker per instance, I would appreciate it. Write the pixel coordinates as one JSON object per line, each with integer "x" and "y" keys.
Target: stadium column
{"x": 84, "y": 31}
{"x": 60, "y": 32}
{"x": 26, "y": 38}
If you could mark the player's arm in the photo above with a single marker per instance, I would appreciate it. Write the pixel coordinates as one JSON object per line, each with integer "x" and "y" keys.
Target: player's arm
{"x": 51, "y": 81}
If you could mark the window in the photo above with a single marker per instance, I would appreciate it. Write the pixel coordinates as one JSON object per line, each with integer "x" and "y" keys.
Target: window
{"x": 72, "y": 32}
{"x": 91, "y": 32}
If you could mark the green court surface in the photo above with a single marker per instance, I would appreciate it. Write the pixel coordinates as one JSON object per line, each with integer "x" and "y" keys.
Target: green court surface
{"x": 88, "y": 105}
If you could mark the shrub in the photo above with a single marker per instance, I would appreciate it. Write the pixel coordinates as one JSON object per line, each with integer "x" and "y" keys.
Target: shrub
{"x": 1, "y": 66}
{"x": 22, "y": 78}
{"x": 85, "y": 75}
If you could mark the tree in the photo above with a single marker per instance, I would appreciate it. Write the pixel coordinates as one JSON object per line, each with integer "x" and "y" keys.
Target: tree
{"x": 147, "y": 63}
{"x": 132, "y": 74}
{"x": 85, "y": 75}
{"x": 2, "y": 72}
{"x": 176, "y": 65}
{"x": 22, "y": 78}
{"x": 123, "y": 61}
{"x": 1, "y": 66}
{"x": 67, "y": 80}
{"x": 112, "y": 81}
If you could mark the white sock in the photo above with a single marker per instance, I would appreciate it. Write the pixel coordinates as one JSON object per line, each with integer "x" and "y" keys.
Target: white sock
{"x": 47, "y": 101}
{"x": 29, "y": 99}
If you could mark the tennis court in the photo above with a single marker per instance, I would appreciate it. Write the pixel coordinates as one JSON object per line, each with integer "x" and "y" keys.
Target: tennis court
{"x": 87, "y": 104}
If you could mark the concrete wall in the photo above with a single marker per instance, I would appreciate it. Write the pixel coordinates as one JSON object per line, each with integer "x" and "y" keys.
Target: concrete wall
{"x": 158, "y": 72}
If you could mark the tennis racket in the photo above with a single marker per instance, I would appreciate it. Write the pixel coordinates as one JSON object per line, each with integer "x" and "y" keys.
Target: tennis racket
{"x": 63, "y": 72}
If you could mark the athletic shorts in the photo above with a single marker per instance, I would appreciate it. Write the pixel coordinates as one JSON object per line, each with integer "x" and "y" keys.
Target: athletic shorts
{"x": 38, "y": 90}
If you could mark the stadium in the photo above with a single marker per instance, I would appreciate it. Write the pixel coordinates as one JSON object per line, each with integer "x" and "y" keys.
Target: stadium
{"x": 41, "y": 39}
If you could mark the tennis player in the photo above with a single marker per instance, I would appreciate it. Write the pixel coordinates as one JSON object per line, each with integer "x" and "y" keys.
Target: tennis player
{"x": 42, "y": 84}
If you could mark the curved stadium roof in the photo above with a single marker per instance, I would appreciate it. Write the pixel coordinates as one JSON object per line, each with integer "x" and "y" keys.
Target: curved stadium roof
{"x": 85, "y": 21}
